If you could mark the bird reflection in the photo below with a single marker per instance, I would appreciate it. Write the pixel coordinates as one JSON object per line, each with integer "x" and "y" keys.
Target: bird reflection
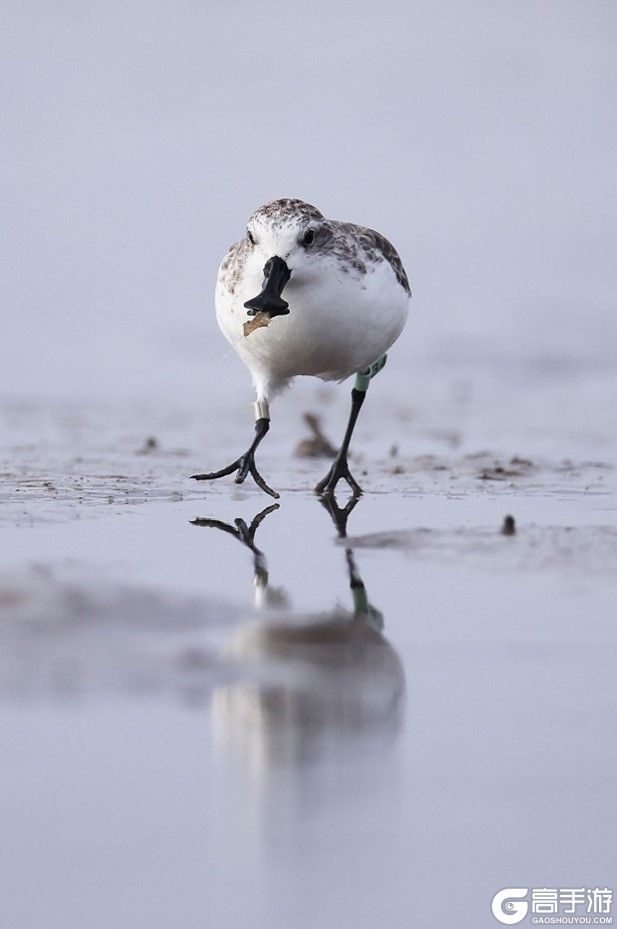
{"x": 309, "y": 685}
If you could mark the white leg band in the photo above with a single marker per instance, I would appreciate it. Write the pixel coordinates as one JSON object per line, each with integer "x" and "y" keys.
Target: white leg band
{"x": 262, "y": 410}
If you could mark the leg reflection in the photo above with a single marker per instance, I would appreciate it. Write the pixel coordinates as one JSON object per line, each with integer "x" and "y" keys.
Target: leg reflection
{"x": 246, "y": 535}
{"x": 312, "y": 684}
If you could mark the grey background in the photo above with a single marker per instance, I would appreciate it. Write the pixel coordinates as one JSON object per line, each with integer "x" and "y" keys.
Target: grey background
{"x": 137, "y": 138}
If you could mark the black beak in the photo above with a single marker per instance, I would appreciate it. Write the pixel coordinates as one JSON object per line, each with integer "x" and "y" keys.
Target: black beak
{"x": 276, "y": 275}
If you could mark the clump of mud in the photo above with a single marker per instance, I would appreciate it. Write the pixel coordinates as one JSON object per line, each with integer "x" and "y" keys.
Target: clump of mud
{"x": 318, "y": 445}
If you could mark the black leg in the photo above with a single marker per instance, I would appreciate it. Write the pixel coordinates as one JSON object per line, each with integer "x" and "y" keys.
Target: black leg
{"x": 340, "y": 468}
{"x": 245, "y": 464}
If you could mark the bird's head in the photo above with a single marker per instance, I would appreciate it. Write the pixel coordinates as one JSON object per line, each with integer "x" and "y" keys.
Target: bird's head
{"x": 284, "y": 237}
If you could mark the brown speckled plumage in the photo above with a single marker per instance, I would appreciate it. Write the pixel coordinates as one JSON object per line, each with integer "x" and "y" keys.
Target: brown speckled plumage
{"x": 355, "y": 248}
{"x": 232, "y": 265}
{"x": 278, "y": 212}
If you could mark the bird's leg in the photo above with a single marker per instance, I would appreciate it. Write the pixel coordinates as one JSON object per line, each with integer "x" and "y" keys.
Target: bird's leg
{"x": 245, "y": 464}
{"x": 340, "y": 467}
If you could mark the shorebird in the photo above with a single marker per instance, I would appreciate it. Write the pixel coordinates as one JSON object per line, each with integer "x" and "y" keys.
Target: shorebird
{"x": 346, "y": 302}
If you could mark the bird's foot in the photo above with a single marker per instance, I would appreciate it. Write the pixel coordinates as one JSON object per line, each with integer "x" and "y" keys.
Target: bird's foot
{"x": 244, "y": 465}
{"x": 338, "y": 471}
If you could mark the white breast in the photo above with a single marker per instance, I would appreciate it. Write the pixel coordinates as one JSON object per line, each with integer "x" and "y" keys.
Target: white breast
{"x": 339, "y": 323}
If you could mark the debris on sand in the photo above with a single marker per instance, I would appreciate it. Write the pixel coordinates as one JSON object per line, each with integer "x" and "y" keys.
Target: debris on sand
{"x": 521, "y": 462}
{"x": 150, "y": 445}
{"x": 493, "y": 474}
{"x": 508, "y": 526}
{"x": 517, "y": 467}
{"x": 318, "y": 446}
{"x": 259, "y": 320}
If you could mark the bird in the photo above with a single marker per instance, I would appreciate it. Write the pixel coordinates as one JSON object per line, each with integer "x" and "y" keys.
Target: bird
{"x": 346, "y": 301}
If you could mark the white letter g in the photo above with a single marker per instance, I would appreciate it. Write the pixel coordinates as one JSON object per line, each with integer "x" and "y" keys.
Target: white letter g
{"x": 505, "y": 909}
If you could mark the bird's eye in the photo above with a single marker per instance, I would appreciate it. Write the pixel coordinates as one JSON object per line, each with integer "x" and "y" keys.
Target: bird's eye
{"x": 250, "y": 237}
{"x": 309, "y": 237}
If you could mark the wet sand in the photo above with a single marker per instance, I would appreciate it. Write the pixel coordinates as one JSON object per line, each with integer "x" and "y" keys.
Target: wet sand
{"x": 328, "y": 731}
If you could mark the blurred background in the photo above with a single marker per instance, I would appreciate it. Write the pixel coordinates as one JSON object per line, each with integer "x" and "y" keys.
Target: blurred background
{"x": 138, "y": 137}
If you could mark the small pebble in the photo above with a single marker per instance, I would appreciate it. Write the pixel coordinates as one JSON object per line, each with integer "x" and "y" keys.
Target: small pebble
{"x": 509, "y": 526}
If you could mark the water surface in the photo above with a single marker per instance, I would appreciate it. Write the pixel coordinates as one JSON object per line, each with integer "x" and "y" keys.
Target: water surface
{"x": 203, "y": 735}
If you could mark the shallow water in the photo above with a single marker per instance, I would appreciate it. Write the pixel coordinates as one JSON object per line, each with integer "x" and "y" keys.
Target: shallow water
{"x": 222, "y": 747}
